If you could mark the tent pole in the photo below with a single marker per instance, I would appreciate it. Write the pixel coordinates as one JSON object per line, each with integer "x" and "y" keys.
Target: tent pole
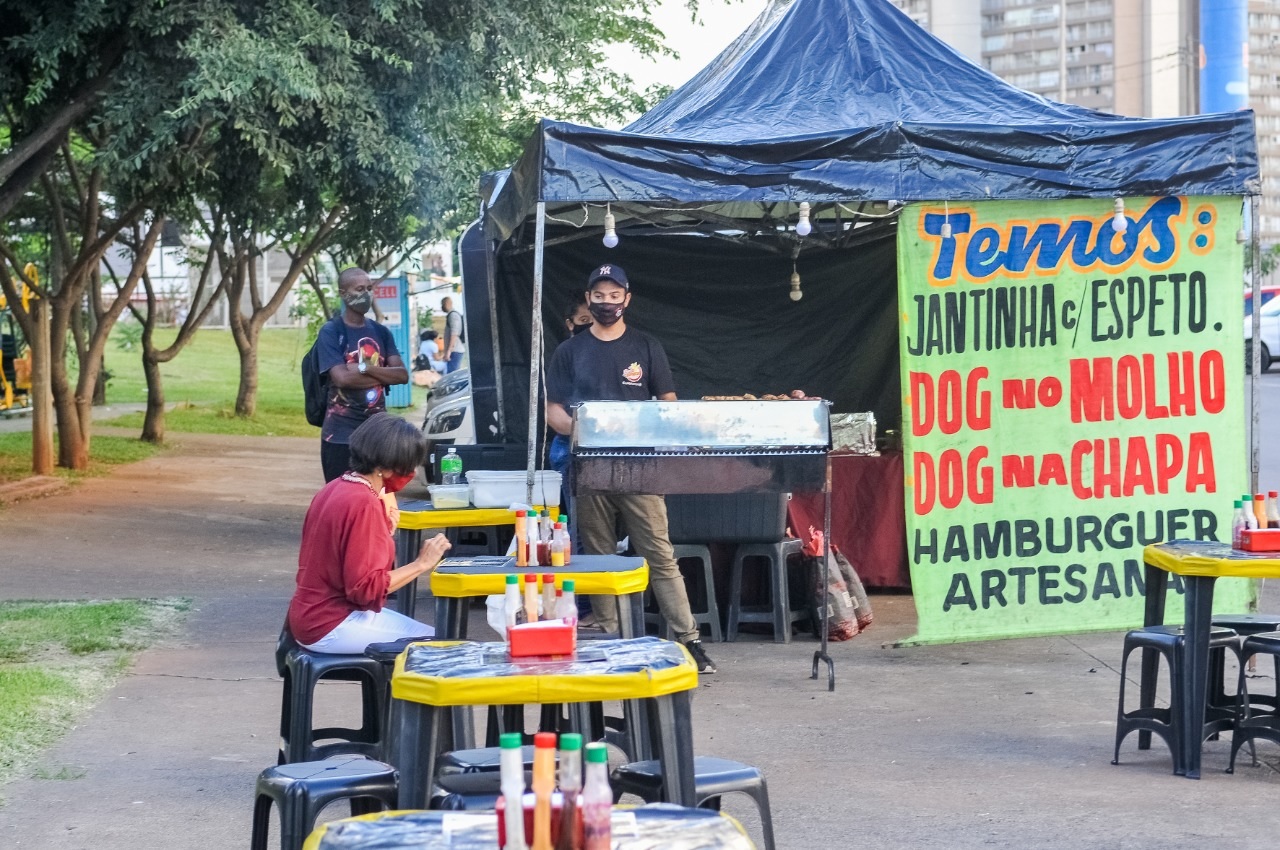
{"x": 535, "y": 349}
{"x": 490, "y": 272}
{"x": 1255, "y": 356}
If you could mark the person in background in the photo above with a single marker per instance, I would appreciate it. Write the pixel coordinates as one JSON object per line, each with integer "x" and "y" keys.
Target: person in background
{"x": 455, "y": 336}
{"x": 613, "y": 362}
{"x": 577, "y": 317}
{"x": 429, "y": 352}
{"x": 361, "y": 361}
{"x": 346, "y": 564}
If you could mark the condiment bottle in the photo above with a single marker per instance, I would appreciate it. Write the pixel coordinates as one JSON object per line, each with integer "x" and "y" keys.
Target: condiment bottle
{"x": 532, "y": 543}
{"x": 1247, "y": 501}
{"x": 568, "y": 542}
{"x": 570, "y": 787}
{"x": 557, "y": 546}
{"x": 1260, "y": 509}
{"x": 1238, "y": 524}
{"x": 1273, "y": 510}
{"x": 548, "y": 596}
{"x": 597, "y": 800}
{"x": 566, "y": 604}
{"x": 522, "y": 539}
{"x": 531, "y": 597}
{"x": 511, "y": 605}
{"x": 544, "y": 784}
{"x": 512, "y": 784}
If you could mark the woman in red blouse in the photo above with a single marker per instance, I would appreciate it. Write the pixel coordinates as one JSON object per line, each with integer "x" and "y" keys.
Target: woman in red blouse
{"x": 346, "y": 566}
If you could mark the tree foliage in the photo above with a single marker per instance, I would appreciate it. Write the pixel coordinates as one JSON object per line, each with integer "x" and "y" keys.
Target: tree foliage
{"x": 360, "y": 124}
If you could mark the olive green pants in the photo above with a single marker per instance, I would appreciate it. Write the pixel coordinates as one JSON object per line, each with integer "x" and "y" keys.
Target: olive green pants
{"x": 644, "y": 519}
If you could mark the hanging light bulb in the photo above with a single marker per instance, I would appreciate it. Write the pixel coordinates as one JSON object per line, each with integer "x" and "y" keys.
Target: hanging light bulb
{"x": 796, "y": 294}
{"x": 610, "y": 233}
{"x": 1118, "y": 222}
{"x": 803, "y": 227}
{"x": 1241, "y": 237}
{"x": 946, "y": 220}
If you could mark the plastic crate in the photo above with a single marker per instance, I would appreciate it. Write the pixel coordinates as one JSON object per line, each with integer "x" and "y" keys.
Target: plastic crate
{"x": 727, "y": 518}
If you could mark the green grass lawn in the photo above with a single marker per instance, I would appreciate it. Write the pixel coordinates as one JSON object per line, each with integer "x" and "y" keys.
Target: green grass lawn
{"x": 57, "y": 658}
{"x": 202, "y": 380}
{"x": 104, "y": 453}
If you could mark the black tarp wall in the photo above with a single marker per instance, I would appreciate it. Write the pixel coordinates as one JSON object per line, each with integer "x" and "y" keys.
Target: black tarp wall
{"x": 722, "y": 311}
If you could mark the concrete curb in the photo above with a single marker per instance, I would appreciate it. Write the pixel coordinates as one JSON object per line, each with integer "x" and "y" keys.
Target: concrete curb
{"x": 35, "y": 487}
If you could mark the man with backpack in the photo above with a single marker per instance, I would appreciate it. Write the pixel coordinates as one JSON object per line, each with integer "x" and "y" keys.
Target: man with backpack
{"x": 357, "y": 360}
{"x": 455, "y": 336}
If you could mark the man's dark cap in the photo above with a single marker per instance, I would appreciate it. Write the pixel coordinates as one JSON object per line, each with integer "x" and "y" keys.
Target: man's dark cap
{"x": 608, "y": 272}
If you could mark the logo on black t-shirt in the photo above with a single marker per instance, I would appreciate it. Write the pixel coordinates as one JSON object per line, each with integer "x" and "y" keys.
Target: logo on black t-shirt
{"x": 632, "y": 375}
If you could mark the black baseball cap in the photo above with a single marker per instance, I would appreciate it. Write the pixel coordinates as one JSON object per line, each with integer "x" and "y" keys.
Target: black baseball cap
{"x": 608, "y": 272}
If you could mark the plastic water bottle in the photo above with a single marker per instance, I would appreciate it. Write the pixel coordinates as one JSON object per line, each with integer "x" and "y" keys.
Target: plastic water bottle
{"x": 570, "y": 787}
{"x": 451, "y": 467}
{"x": 512, "y": 783}
{"x": 597, "y": 801}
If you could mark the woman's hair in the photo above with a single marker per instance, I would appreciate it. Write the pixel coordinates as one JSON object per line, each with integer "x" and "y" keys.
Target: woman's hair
{"x": 387, "y": 442}
{"x": 571, "y": 309}
{"x": 426, "y": 335}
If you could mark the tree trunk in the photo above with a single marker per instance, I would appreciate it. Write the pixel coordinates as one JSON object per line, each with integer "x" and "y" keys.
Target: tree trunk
{"x": 247, "y": 394}
{"x": 41, "y": 394}
{"x": 153, "y": 422}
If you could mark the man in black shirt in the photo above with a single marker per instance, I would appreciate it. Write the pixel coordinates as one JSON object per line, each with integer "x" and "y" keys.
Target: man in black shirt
{"x": 616, "y": 363}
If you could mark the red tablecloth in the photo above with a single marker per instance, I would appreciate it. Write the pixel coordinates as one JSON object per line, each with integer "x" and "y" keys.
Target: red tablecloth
{"x": 868, "y": 519}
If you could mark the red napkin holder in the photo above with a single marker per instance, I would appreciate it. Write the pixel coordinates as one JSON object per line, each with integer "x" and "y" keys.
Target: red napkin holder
{"x": 1260, "y": 540}
{"x": 545, "y": 638}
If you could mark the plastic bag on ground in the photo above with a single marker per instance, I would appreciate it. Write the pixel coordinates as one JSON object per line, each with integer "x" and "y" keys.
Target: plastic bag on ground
{"x": 831, "y": 594}
{"x": 861, "y": 604}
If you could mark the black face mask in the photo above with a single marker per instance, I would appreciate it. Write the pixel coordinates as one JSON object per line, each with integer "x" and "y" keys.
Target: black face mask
{"x": 362, "y": 302}
{"x": 606, "y": 314}
{"x": 577, "y": 329}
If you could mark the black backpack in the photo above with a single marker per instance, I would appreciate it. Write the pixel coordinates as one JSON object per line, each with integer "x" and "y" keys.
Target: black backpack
{"x": 315, "y": 385}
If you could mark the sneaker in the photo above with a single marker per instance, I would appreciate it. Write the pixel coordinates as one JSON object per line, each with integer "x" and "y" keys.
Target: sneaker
{"x": 705, "y": 664}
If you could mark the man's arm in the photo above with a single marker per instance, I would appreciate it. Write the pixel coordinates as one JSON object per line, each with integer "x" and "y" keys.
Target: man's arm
{"x": 559, "y": 419}
{"x": 347, "y": 376}
{"x": 667, "y": 397}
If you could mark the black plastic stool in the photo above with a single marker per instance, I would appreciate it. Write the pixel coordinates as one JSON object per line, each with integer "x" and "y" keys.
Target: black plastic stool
{"x": 1247, "y": 624}
{"x": 709, "y": 617}
{"x": 302, "y": 670}
{"x": 713, "y": 778}
{"x": 301, "y": 790}
{"x": 1168, "y": 641}
{"x": 778, "y": 613}
{"x": 1264, "y": 724}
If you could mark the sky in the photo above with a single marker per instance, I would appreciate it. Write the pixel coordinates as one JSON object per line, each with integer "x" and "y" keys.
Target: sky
{"x": 720, "y": 22}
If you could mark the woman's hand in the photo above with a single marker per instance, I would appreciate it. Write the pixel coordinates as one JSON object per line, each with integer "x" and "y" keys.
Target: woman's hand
{"x": 432, "y": 551}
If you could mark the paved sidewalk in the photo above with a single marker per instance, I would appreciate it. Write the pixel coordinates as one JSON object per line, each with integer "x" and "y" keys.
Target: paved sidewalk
{"x": 1003, "y": 744}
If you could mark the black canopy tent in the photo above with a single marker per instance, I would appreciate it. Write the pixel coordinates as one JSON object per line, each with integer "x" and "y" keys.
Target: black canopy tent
{"x": 846, "y": 106}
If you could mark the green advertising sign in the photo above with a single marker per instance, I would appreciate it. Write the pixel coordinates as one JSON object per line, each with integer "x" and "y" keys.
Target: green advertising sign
{"x": 1070, "y": 393}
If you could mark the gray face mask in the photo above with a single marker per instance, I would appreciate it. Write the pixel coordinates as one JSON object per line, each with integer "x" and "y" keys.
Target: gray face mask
{"x": 361, "y": 302}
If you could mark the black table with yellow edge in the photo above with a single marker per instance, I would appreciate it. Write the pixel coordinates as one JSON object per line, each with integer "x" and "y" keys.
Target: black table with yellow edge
{"x": 417, "y": 516}
{"x": 457, "y": 580}
{"x": 433, "y": 677}
{"x": 1200, "y": 563}
{"x": 640, "y": 828}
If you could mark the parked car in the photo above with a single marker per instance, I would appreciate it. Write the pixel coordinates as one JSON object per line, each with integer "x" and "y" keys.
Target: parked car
{"x": 449, "y": 417}
{"x": 1267, "y": 292}
{"x": 1270, "y": 318}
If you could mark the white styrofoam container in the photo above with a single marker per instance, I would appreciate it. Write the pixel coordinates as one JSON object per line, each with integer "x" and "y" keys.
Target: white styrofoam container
{"x": 500, "y": 489}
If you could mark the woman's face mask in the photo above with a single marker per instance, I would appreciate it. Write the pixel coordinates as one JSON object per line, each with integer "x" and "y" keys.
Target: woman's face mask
{"x": 395, "y": 482}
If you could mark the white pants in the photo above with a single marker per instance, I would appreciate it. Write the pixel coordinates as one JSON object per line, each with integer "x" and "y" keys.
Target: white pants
{"x": 361, "y": 628}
